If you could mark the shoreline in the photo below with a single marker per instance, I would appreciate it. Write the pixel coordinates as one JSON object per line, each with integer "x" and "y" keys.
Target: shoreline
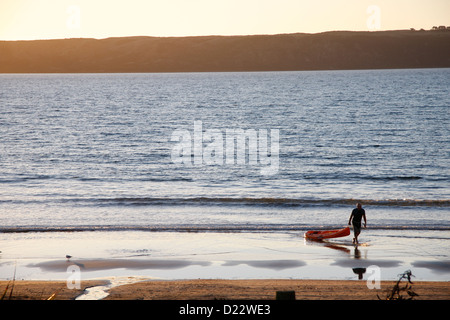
{"x": 225, "y": 289}
{"x": 237, "y": 256}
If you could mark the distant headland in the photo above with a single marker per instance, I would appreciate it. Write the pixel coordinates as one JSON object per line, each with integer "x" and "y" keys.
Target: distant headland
{"x": 335, "y": 50}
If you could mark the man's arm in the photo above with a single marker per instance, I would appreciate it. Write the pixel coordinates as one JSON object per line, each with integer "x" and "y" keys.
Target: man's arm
{"x": 350, "y": 219}
{"x": 365, "y": 220}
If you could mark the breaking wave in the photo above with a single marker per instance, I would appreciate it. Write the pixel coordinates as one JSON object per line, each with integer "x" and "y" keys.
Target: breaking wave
{"x": 283, "y": 202}
{"x": 209, "y": 228}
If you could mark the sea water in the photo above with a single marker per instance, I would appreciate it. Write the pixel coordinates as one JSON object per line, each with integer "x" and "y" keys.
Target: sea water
{"x": 101, "y": 152}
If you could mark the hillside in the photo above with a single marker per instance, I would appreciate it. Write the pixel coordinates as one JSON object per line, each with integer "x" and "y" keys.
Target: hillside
{"x": 321, "y": 51}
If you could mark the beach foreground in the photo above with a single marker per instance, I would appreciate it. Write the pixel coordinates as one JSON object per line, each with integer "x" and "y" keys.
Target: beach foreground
{"x": 215, "y": 289}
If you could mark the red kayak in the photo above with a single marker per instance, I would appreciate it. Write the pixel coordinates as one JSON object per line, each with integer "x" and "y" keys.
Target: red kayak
{"x": 326, "y": 234}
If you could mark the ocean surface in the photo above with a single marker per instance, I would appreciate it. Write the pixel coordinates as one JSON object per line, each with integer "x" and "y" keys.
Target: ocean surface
{"x": 86, "y": 152}
{"x": 220, "y": 174}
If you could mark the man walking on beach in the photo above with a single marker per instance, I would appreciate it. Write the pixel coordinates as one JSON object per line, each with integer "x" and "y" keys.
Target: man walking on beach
{"x": 355, "y": 218}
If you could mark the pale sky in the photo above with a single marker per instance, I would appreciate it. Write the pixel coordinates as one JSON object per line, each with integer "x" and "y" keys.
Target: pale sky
{"x": 56, "y": 19}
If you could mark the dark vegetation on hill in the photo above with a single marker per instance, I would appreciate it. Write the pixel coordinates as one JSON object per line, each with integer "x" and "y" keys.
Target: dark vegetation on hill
{"x": 321, "y": 51}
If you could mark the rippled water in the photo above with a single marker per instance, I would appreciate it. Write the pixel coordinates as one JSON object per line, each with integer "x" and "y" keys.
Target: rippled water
{"x": 96, "y": 151}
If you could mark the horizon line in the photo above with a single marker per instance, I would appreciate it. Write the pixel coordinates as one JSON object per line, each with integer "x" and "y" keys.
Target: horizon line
{"x": 227, "y": 35}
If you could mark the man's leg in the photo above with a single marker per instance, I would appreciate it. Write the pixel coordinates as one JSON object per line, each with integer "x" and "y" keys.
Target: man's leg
{"x": 356, "y": 237}
{"x": 356, "y": 232}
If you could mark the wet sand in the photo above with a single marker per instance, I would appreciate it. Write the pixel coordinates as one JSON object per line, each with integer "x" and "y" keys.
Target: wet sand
{"x": 173, "y": 256}
{"x": 218, "y": 266}
{"x": 227, "y": 290}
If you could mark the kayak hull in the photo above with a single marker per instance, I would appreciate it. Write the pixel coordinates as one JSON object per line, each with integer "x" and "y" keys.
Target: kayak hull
{"x": 327, "y": 234}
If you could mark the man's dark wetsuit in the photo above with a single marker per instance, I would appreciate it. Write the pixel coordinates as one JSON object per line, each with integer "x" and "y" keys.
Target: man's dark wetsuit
{"x": 356, "y": 220}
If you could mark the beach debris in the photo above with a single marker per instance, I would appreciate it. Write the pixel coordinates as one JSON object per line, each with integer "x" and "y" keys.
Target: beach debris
{"x": 52, "y": 296}
{"x": 397, "y": 290}
{"x": 285, "y": 295}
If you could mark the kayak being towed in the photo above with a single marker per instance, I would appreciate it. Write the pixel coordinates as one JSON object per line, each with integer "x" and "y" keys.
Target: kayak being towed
{"x": 327, "y": 234}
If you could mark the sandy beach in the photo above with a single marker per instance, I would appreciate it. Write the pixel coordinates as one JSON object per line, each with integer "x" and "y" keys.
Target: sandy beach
{"x": 42, "y": 290}
{"x": 217, "y": 289}
{"x": 266, "y": 290}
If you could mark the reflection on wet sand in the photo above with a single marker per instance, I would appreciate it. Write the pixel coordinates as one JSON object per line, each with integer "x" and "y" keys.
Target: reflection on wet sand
{"x": 343, "y": 248}
{"x": 359, "y": 272}
{"x": 358, "y": 263}
{"x": 340, "y": 246}
{"x": 103, "y": 264}
{"x": 337, "y": 247}
{"x": 436, "y": 266}
{"x": 269, "y": 264}
{"x": 364, "y": 263}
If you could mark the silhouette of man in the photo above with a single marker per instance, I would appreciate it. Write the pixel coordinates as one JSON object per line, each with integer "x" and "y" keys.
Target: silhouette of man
{"x": 355, "y": 218}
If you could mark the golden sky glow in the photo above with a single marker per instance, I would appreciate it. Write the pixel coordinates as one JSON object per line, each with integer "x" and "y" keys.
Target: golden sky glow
{"x": 55, "y": 19}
